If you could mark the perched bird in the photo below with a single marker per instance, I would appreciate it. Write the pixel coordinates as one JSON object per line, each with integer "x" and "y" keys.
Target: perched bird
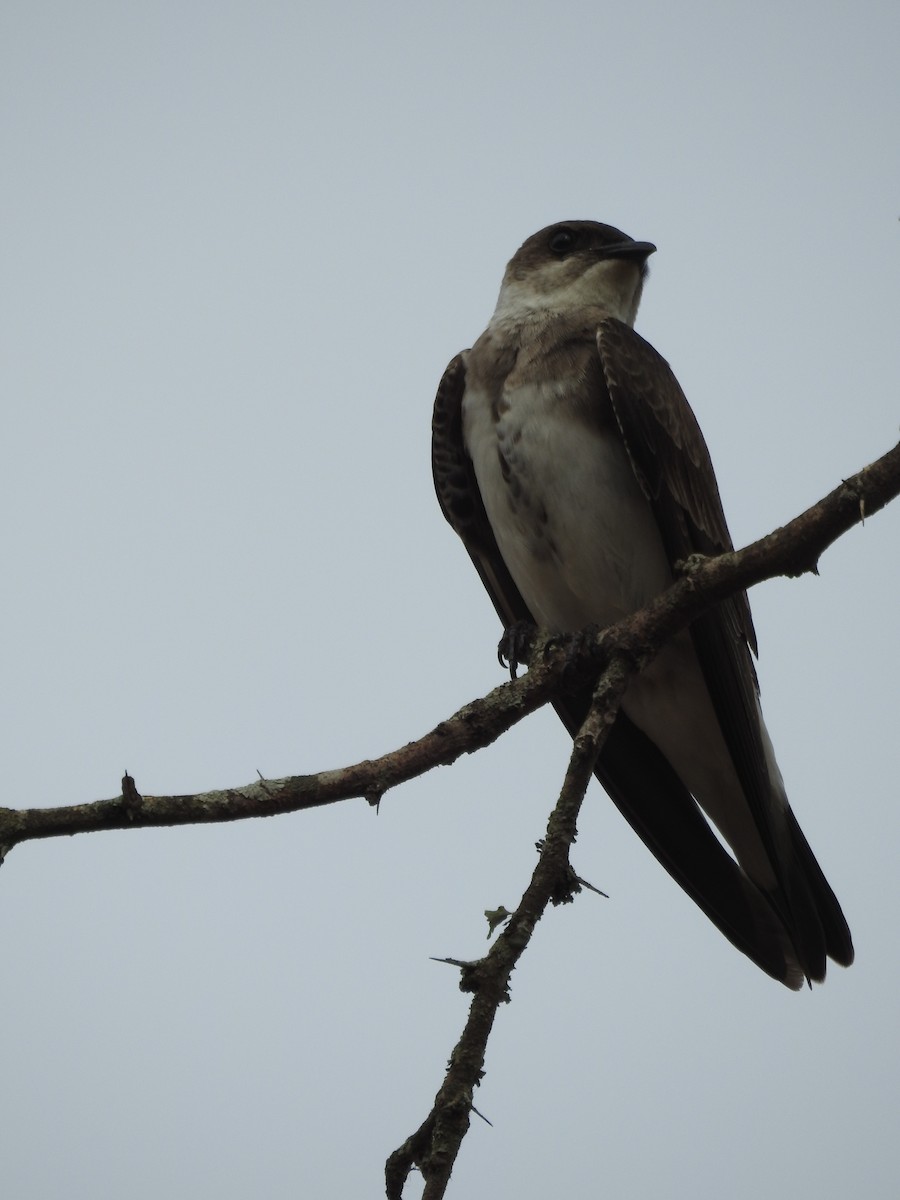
{"x": 568, "y": 460}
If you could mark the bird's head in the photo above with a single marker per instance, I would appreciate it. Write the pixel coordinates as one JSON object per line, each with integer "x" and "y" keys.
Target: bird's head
{"x": 575, "y": 264}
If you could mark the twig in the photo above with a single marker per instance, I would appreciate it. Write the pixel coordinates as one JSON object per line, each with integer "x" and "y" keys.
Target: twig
{"x": 435, "y": 1144}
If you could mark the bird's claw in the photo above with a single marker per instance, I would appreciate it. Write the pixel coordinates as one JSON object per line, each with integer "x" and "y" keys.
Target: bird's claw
{"x": 514, "y": 649}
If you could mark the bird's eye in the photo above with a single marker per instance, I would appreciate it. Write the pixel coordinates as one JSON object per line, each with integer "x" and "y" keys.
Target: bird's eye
{"x": 562, "y": 241}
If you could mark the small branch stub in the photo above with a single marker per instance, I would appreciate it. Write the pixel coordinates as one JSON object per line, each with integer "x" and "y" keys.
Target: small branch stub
{"x": 132, "y": 800}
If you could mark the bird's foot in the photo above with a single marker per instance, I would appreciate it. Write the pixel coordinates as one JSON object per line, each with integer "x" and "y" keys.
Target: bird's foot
{"x": 691, "y": 564}
{"x": 515, "y": 646}
{"x": 577, "y": 644}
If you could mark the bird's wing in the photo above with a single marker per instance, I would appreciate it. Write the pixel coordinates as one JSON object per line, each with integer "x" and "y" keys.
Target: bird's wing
{"x": 639, "y": 779}
{"x": 671, "y": 462}
{"x": 669, "y": 457}
{"x": 460, "y": 499}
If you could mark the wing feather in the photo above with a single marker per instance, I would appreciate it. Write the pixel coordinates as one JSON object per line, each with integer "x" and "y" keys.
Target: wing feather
{"x": 671, "y": 461}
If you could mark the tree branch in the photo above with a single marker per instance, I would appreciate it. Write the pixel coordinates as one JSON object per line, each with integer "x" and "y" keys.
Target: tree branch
{"x": 435, "y": 1144}
{"x": 791, "y": 550}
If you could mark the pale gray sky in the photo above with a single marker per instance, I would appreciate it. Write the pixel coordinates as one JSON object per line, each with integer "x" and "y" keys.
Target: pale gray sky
{"x": 240, "y": 244}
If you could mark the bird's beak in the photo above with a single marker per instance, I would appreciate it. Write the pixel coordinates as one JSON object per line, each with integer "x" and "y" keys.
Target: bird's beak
{"x": 639, "y": 251}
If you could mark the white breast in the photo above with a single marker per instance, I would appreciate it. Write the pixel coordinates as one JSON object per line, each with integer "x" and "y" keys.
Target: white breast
{"x": 570, "y": 519}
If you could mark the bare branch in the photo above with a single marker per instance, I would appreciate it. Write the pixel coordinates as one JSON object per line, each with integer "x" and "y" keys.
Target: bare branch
{"x": 435, "y": 1144}
{"x": 473, "y": 726}
{"x": 791, "y": 550}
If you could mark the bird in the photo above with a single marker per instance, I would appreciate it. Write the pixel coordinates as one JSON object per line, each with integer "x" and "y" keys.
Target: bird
{"x": 566, "y": 457}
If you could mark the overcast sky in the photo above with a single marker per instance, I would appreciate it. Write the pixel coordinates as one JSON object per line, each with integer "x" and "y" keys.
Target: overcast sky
{"x": 240, "y": 243}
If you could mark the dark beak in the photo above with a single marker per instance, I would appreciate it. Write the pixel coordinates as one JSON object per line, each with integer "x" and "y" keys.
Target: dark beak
{"x": 638, "y": 251}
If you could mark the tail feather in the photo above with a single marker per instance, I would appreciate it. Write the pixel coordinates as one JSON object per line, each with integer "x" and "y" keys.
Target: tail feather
{"x": 649, "y": 794}
{"x": 788, "y": 932}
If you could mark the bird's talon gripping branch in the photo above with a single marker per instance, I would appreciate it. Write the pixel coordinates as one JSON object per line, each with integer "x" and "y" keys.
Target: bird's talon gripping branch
{"x": 516, "y": 645}
{"x": 577, "y": 644}
{"x": 690, "y": 565}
